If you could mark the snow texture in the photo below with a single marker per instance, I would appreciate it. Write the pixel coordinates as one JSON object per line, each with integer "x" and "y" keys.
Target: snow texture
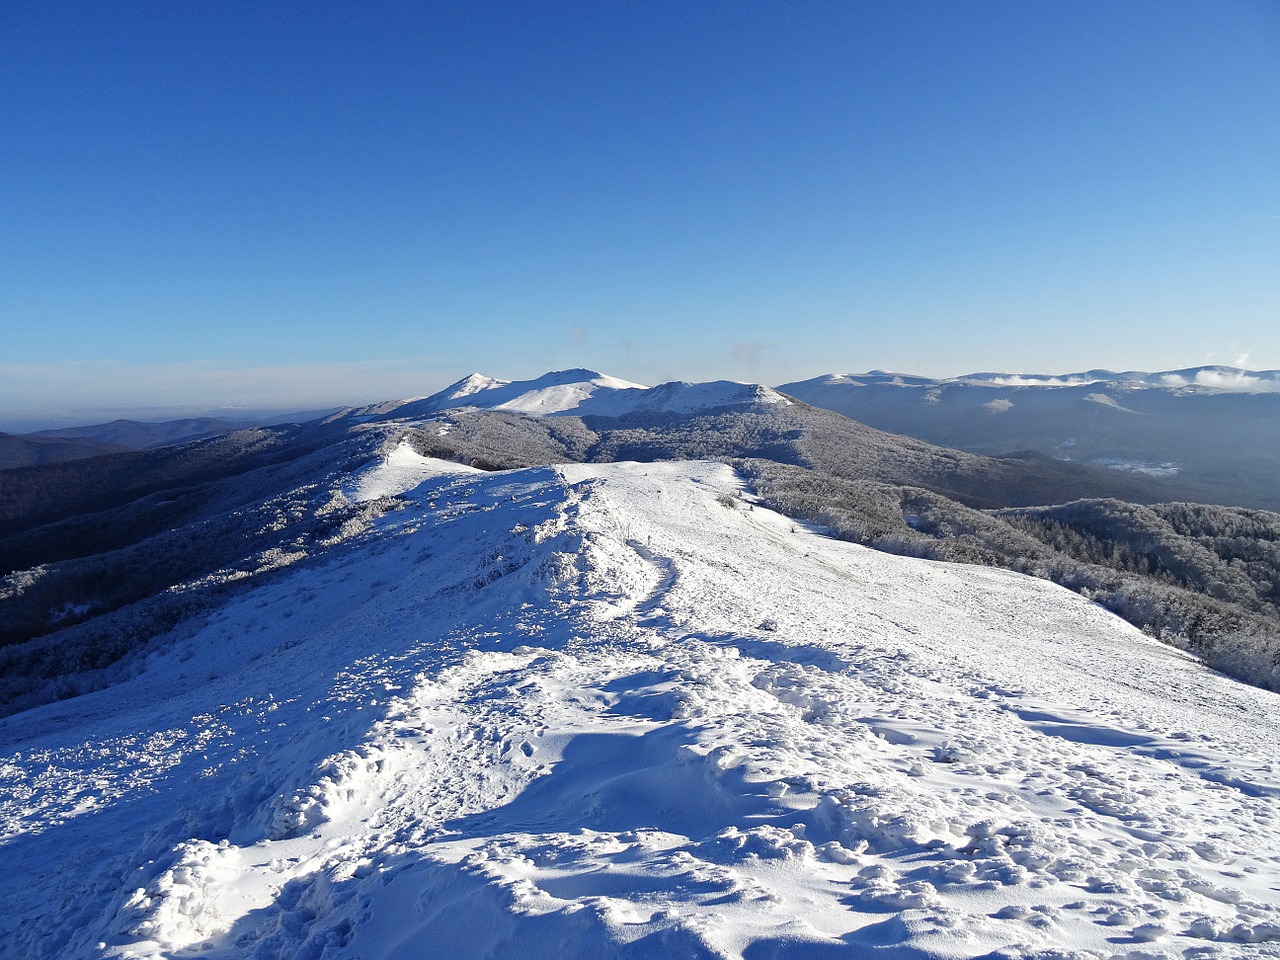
{"x": 620, "y": 711}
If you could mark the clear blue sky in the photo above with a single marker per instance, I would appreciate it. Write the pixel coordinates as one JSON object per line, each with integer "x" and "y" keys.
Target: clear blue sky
{"x": 309, "y": 203}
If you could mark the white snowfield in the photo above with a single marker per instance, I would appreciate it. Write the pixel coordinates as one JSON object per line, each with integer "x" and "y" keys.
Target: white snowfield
{"x": 559, "y": 392}
{"x": 617, "y": 712}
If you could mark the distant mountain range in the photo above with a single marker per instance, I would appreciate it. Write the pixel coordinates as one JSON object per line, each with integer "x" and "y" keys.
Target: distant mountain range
{"x": 582, "y": 415}
{"x": 27, "y": 450}
{"x": 1213, "y": 431}
{"x": 101, "y": 553}
{"x": 75, "y": 443}
{"x": 1210, "y": 433}
{"x": 514, "y": 671}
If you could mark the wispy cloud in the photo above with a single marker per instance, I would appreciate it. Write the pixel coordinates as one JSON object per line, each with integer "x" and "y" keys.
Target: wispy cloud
{"x": 746, "y": 352}
{"x": 1232, "y": 357}
{"x": 1231, "y": 381}
{"x": 1016, "y": 380}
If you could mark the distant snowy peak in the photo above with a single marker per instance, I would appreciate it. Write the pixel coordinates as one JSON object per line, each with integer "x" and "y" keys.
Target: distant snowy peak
{"x": 579, "y": 393}
{"x": 561, "y": 391}
{"x": 471, "y": 385}
{"x": 1205, "y": 379}
{"x": 680, "y": 397}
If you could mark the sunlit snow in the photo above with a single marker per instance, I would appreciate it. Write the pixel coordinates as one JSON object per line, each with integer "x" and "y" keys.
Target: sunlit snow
{"x": 620, "y": 711}
{"x": 579, "y": 393}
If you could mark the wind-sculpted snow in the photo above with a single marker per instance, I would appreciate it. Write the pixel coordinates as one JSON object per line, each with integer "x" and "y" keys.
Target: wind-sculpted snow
{"x": 619, "y": 711}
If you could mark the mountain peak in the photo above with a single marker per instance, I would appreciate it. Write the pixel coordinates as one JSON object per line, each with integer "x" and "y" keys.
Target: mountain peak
{"x": 580, "y": 392}
{"x": 472, "y": 383}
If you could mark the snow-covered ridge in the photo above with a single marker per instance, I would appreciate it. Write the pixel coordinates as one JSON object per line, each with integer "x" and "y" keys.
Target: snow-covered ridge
{"x": 578, "y": 393}
{"x": 680, "y": 397}
{"x": 562, "y": 391}
{"x": 1212, "y": 378}
{"x": 397, "y": 471}
{"x": 619, "y": 711}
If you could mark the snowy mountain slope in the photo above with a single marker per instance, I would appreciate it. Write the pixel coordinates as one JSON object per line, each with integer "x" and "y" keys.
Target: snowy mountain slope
{"x": 763, "y": 427}
{"x": 98, "y": 559}
{"x": 551, "y": 393}
{"x": 1214, "y": 432}
{"x": 575, "y": 393}
{"x": 613, "y": 711}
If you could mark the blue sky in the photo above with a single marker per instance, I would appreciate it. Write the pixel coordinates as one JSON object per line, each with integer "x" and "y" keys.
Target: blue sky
{"x": 300, "y": 204}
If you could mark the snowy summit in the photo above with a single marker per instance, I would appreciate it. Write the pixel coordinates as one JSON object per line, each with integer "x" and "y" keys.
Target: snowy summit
{"x": 558, "y": 392}
{"x": 578, "y": 393}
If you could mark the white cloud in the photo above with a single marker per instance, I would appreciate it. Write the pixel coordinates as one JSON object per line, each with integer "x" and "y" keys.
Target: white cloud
{"x": 1016, "y": 380}
{"x": 1237, "y": 381}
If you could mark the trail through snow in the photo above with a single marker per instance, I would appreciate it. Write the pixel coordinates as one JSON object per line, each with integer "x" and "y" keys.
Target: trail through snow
{"x": 618, "y": 711}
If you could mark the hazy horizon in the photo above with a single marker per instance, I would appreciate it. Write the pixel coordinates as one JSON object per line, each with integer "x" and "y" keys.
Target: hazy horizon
{"x": 242, "y": 402}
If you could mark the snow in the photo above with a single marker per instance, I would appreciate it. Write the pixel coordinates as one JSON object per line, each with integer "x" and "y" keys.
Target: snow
{"x": 399, "y": 471}
{"x": 578, "y": 393}
{"x": 680, "y": 397}
{"x": 621, "y": 711}
{"x": 562, "y": 391}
